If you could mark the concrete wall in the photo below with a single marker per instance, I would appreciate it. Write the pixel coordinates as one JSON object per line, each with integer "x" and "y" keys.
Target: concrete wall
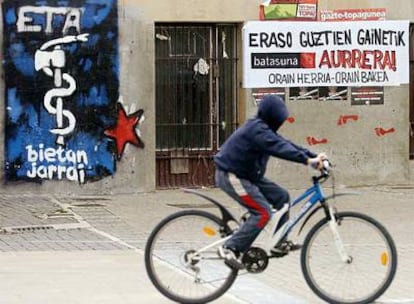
{"x": 360, "y": 156}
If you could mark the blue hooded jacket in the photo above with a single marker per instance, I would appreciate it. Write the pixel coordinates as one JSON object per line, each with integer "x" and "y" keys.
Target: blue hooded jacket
{"x": 246, "y": 152}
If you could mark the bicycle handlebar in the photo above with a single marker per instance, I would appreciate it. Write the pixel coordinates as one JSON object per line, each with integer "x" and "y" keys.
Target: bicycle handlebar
{"x": 326, "y": 166}
{"x": 325, "y": 171}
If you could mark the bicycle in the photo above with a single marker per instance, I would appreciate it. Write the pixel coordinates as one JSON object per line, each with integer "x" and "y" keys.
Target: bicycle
{"x": 346, "y": 257}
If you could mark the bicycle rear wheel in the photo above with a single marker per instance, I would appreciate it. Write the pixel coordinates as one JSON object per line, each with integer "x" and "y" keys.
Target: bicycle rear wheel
{"x": 371, "y": 264}
{"x": 172, "y": 262}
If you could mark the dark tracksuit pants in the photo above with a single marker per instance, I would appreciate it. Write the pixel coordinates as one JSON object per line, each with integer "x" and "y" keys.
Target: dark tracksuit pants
{"x": 258, "y": 198}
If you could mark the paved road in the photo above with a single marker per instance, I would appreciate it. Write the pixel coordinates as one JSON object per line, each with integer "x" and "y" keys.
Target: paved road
{"x": 89, "y": 249}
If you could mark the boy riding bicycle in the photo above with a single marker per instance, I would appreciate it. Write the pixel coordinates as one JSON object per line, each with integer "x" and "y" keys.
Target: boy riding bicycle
{"x": 240, "y": 169}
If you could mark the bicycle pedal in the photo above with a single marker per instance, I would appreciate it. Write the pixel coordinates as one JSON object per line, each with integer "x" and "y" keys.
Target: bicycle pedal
{"x": 284, "y": 248}
{"x": 277, "y": 254}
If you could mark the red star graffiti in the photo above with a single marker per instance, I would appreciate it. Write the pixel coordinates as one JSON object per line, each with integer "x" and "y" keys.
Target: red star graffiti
{"x": 124, "y": 131}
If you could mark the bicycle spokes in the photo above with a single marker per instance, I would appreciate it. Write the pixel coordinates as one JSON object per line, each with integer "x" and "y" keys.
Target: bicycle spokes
{"x": 182, "y": 258}
{"x": 367, "y": 259}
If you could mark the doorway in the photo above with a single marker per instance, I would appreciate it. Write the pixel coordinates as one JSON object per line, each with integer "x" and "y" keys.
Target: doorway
{"x": 196, "y": 100}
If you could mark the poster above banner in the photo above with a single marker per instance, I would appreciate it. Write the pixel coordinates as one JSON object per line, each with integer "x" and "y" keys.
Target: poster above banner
{"x": 289, "y": 10}
{"x": 365, "y": 53}
{"x": 353, "y": 14}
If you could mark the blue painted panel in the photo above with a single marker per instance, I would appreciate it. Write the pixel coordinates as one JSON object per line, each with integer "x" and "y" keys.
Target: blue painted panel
{"x": 61, "y": 64}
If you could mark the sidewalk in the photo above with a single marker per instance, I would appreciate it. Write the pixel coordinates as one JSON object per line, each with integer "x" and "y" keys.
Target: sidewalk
{"x": 89, "y": 249}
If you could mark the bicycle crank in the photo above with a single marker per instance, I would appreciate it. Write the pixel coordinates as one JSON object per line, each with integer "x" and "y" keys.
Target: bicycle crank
{"x": 255, "y": 260}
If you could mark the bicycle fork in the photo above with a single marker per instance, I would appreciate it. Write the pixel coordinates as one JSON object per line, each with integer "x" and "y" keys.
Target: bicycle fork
{"x": 333, "y": 225}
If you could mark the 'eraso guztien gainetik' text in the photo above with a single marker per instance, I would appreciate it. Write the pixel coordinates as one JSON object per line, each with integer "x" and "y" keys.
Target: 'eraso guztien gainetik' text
{"x": 307, "y": 39}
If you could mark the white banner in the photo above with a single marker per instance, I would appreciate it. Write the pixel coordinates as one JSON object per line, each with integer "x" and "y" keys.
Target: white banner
{"x": 295, "y": 54}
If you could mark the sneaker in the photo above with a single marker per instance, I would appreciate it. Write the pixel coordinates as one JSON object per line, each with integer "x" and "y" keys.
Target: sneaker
{"x": 231, "y": 258}
{"x": 285, "y": 247}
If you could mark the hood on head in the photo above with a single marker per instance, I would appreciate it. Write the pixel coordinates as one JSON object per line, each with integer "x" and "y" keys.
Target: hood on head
{"x": 273, "y": 111}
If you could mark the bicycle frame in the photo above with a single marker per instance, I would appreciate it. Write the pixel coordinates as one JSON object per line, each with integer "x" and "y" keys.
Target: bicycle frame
{"x": 313, "y": 194}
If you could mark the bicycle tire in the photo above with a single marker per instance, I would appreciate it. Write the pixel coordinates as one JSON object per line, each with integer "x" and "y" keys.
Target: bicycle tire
{"x": 171, "y": 241}
{"x": 376, "y": 259}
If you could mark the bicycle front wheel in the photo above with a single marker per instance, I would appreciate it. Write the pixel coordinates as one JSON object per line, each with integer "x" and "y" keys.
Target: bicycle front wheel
{"x": 182, "y": 261}
{"x": 365, "y": 273}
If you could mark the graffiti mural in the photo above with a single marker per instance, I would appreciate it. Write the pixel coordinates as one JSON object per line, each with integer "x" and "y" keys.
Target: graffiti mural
{"x": 382, "y": 132}
{"x": 344, "y": 119}
{"x": 61, "y": 66}
{"x": 125, "y": 130}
